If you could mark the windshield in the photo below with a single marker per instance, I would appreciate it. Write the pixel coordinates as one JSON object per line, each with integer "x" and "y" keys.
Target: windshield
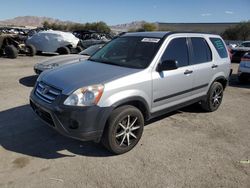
{"x": 133, "y": 52}
{"x": 91, "y": 50}
{"x": 245, "y": 44}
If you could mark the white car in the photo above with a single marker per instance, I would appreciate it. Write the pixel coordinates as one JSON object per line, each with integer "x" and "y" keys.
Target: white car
{"x": 57, "y": 61}
{"x": 244, "y": 68}
{"x": 54, "y": 42}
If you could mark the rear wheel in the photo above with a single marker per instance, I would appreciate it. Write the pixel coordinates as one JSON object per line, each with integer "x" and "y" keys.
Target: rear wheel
{"x": 123, "y": 130}
{"x": 63, "y": 50}
{"x": 214, "y": 97}
{"x": 11, "y": 51}
{"x": 31, "y": 50}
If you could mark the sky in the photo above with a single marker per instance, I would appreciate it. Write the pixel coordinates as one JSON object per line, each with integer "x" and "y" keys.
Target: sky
{"x": 117, "y": 11}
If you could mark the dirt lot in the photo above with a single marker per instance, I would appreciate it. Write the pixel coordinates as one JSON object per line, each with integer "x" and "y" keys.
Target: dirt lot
{"x": 187, "y": 148}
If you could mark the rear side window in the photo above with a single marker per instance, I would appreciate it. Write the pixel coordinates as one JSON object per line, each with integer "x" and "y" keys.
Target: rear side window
{"x": 220, "y": 47}
{"x": 177, "y": 50}
{"x": 201, "y": 51}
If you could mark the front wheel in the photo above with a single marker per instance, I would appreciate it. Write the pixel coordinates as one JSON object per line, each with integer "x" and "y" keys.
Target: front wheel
{"x": 123, "y": 130}
{"x": 214, "y": 97}
{"x": 11, "y": 51}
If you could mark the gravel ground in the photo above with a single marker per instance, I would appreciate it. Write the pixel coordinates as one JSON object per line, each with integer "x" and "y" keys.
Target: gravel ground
{"x": 186, "y": 148}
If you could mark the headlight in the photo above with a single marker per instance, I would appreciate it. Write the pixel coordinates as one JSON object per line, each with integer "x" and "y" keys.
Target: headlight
{"x": 86, "y": 96}
{"x": 51, "y": 66}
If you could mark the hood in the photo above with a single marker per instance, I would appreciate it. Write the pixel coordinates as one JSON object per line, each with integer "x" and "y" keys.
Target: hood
{"x": 61, "y": 59}
{"x": 71, "y": 77}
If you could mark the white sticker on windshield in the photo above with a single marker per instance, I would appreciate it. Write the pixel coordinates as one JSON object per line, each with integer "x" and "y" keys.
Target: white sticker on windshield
{"x": 154, "y": 40}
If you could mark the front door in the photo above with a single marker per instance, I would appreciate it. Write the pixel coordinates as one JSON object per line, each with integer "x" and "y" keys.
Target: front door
{"x": 173, "y": 87}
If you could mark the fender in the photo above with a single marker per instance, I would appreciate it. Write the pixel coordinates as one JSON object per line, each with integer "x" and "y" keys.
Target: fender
{"x": 137, "y": 100}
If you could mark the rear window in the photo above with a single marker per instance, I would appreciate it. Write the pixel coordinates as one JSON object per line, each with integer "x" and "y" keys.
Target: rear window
{"x": 201, "y": 51}
{"x": 220, "y": 47}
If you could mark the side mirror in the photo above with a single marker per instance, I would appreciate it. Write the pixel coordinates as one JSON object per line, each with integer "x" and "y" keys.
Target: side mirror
{"x": 167, "y": 65}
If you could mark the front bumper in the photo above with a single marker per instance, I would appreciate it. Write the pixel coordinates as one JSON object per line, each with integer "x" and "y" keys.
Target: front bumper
{"x": 81, "y": 123}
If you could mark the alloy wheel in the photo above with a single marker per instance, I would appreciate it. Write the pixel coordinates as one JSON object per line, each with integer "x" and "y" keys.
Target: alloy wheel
{"x": 127, "y": 131}
{"x": 217, "y": 96}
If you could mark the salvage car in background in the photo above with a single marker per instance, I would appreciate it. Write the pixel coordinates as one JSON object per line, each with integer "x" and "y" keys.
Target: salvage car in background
{"x": 57, "y": 61}
{"x": 89, "y": 38}
{"x": 240, "y": 51}
{"x": 54, "y": 42}
{"x": 12, "y": 44}
{"x": 244, "y": 68}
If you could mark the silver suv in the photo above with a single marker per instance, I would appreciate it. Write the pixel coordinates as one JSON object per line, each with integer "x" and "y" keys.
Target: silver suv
{"x": 132, "y": 79}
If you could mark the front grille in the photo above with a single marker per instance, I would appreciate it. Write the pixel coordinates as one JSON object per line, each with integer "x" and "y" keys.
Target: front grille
{"x": 46, "y": 93}
{"x": 43, "y": 114}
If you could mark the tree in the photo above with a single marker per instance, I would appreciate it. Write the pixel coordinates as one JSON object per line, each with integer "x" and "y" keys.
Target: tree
{"x": 46, "y": 24}
{"x": 244, "y": 30}
{"x": 96, "y": 26}
{"x": 239, "y": 32}
{"x": 149, "y": 27}
{"x": 145, "y": 27}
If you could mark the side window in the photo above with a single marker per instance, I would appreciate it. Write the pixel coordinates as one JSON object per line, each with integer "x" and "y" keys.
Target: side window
{"x": 220, "y": 47}
{"x": 201, "y": 51}
{"x": 177, "y": 50}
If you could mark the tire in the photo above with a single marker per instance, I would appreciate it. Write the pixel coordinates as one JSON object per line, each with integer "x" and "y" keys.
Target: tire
{"x": 123, "y": 129}
{"x": 242, "y": 79}
{"x": 63, "y": 50}
{"x": 79, "y": 49}
{"x": 214, "y": 97}
{"x": 31, "y": 50}
{"x": 39, "y": 52}
{"x": 11, "y": 51}
{"x": 1, "y": 52}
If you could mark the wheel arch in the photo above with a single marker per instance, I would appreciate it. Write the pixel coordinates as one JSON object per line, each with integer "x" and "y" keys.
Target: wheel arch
{"x": 137, "y": 102}
{"x": 222, "y": 80}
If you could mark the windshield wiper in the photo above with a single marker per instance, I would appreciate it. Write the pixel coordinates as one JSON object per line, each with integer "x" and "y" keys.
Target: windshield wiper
{"x": 102, "y": 61}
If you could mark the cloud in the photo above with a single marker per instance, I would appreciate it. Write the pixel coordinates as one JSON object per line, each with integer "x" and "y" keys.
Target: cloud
{"x": 229, "y": 12}
{"x": 155, "y": 6}
{"x": 206, "y": 14}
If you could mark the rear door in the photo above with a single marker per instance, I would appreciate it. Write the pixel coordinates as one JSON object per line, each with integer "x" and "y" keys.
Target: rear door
{"x": 201, "y": 59}
{"x": 173, "y": 87}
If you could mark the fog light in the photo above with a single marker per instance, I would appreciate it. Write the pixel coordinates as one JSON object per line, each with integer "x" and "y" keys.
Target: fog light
{"x": 73, "y": 124}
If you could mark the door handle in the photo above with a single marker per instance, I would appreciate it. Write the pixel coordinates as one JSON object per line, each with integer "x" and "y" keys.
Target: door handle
{"x": 188, "y": 72}
{"x": 214, "y": 66}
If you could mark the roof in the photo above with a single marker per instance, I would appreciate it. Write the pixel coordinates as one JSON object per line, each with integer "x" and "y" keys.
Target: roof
{"x": 160, "y": 34}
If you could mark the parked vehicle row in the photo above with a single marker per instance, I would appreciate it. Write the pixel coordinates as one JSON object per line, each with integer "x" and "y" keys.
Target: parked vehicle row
{"x": 30, "y": 42}
{"x": 134, "y": 78}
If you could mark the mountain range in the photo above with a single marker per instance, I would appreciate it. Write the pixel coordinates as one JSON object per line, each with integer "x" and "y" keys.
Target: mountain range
{"x": 35, "y": 21}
